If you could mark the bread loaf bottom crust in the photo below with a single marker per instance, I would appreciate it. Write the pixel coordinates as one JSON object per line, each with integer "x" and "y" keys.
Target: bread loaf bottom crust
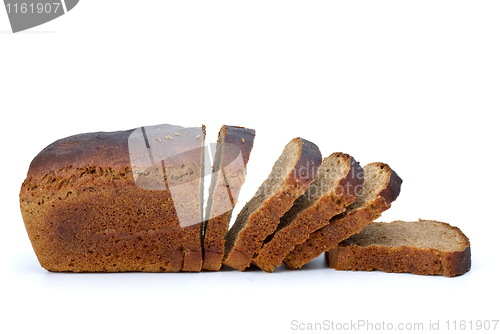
{"x": 213, "y": 243}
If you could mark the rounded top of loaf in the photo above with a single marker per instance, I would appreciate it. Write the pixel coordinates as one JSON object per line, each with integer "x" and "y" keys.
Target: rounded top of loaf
{"x": 112, "y": 149}
{"x": 79, "y": 151}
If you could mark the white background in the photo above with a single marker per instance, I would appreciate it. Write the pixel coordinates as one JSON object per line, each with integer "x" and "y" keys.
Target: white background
{"x": 413, "y": 84}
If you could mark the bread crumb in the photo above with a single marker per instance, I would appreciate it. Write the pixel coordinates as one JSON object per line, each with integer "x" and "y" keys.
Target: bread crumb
{"x": 177, "y": 134}
{"x": 159, "y": 140}
{"x": 168, "y": 137}
{"x": 198, "y": 137}
{"x": 243, "y": 140}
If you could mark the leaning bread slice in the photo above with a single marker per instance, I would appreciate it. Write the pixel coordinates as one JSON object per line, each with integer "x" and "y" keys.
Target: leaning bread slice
{"x": 334, "y": 188}
{"x": 228, "y": 175}
{"x": 380, "y": 188}
{"x": 289, "y": 178}
{"x": 424, "y": 247}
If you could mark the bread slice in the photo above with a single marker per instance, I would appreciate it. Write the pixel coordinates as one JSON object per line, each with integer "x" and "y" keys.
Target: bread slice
{"x": 337, "y": 180}
{"x": 380, "y": 188}
{"x": 423, "y": 247}
{"x": 228, "y": 175}
{"x": 290, "y": 176}
{"x": 117, "y": 201}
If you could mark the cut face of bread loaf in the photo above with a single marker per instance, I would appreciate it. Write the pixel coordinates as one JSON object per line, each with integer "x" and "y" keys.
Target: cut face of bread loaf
{"x": 290, "y": 177}
{"x": 338, "y": 179}
{"x": 118, "y": 201}
{"x": 380, "y": 188}
{"x": 228, "y": 175}
{"x": 424, "y": 247}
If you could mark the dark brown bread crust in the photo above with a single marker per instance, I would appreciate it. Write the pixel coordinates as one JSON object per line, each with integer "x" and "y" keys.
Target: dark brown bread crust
{"x": 305, "y": 169}
{"x": 84, "y": 213}
{"x": 82, "y": 151}
{"x": 312, "y": 218}
{"x": 264, "y": 220}
{"x": 241, "y": 137}
{"x": 230, "y": 183}
{"x": 391, "y": 193}
{"x": 344, "y": 225}
{"x": 404, "y": 259}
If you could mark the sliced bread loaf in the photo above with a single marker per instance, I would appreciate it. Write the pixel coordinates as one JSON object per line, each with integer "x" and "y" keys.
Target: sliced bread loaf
{"x": 117, "y": 201}
{"x": 424, "y": 247}
{"x": 228, "y": 175}
{"x": 337, "y": 180}
{"x": 290, "y": 176}
{"x": 380, "y": 188}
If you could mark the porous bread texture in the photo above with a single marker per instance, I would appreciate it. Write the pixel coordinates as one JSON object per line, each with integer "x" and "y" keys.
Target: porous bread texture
{"x": 234, "y": 145}
{"x": 289, "y": 178}
{"x": 421, "y": 234}
{"x": 337, "y": 180}
{"x": 423, "y": 247}
{"x": 377, "y": 180}
{"x": 380, "y": 188}
{"x": 84, "y": 212}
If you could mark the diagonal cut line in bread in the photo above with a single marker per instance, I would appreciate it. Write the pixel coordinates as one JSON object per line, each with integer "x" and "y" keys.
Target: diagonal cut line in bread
{"x": 380, "y": 188}
{"x": 234, "y": 145}
{"x": 423, "y": 247}
{"x": 290, "y": 176}
{"x": 188, "y": 148}
{"x": 338, "y": 179}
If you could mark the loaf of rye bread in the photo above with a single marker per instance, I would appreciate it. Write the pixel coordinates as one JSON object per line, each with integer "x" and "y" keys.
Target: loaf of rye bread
{"x": 234, "y": 145}
{"x": 290, "y": 176}
{"x": 132, "y": 201}
{"x": 424, "y": 247}
{"x": 381, "y": 187}
{"x": 338, "y": 178}
{"x": 118, "y": 201}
